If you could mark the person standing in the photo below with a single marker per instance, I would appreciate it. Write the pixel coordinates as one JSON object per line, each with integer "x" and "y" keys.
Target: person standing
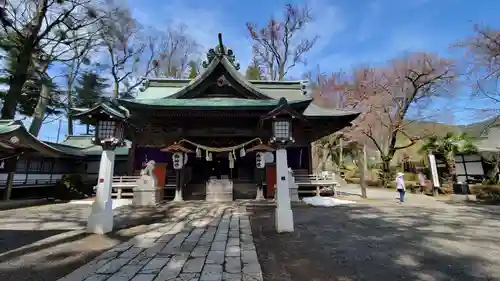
{"x": 400, "y": 186}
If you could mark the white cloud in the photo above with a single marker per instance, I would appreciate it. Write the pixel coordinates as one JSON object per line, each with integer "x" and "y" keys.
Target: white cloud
{"x": 328, "y": 23}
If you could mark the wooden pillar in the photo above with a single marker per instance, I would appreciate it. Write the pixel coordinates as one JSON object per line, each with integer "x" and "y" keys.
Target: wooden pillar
{"x": 310, "y": 155}
{"x": 11, "y": 165}
{"x": 131, "y": 157}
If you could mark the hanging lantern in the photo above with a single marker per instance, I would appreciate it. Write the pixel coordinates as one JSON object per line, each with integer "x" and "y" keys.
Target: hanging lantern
{"x": 185, "y": 158}
{"x": 231, "y": 163}
{"x": 230, "y": 156}
{"x": 177, "y": 160}
{"x": 259, "y": 160}
{"x": 242, "y": 152}
{"x": 208, "y": 156}
{"x": 198, "y": 152}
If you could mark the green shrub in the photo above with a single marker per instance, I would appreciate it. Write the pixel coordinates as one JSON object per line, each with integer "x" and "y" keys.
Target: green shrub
{"x": 70, "y": 187}
{"x": 490, "y": 181}
{"x": 486, "y": 192}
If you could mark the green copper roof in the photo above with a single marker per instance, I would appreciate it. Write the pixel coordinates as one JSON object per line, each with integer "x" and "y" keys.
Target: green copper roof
{"x": 110, "y": 108}
{"x": 72, "y": 146}
{"x": 7, "y": 126}
{"x": 226, "y": 103}
{"x": 84, "y": 144}
{"x": 157, "y": 88}
{"x": 14, "y": 136}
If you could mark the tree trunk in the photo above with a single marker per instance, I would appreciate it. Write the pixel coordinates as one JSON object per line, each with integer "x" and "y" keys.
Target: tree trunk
{"x": 10, "y": 165}
{"x": 39, "y": 112}
{"x": 70, "y": 124}
{"x": 70, "y": 106}
{"x": 452, "y": 169}
{"x": 386, "y": 172}
{"x": 16, "y": 84}
{"x": 363, "y": 169}
{"x": 341, "y": 156}
{"x": 116, "y": 90}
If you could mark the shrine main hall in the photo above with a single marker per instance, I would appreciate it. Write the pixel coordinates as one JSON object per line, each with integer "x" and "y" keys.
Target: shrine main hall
{"x": 219, "y": 125}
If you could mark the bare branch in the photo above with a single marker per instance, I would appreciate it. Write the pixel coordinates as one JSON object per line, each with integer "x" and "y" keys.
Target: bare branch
{"x": 278, "y": 45}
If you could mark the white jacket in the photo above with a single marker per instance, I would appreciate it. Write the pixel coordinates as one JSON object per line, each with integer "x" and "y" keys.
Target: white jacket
{"x": 400, "y": 183}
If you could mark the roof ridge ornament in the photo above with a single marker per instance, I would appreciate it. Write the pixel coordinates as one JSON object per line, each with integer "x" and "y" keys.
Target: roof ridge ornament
{"x": 220, "y": 51}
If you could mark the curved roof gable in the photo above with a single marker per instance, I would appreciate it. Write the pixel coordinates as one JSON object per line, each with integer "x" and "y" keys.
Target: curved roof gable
{"x": 251, "y": 92}
{"x": 14, "y": 137}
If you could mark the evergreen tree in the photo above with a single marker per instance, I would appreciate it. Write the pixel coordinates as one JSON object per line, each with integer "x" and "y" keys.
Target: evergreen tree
{"x": 254, "y": 72}
{"x": 9, "y": 47}
{"x": 193, "y": 69}
{"x": 89, "y": 90}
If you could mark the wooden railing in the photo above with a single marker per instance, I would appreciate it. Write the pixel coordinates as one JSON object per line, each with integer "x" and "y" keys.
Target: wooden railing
{"x": 315, "y": 184}
{"x": 127, "y": 183}
{"x": 27, "y": 183}
{"x": 123, "y": 183}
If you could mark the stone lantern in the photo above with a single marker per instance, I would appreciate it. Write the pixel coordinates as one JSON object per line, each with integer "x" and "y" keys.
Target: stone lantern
{"x": 282, "y": 118}
{"x": 109, "y": 120}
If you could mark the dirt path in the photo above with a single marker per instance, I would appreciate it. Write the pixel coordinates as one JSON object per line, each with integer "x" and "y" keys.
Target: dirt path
{"x": 382, "y": 241}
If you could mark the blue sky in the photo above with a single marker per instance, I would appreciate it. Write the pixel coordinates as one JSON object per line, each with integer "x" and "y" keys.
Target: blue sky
{"x": 352, "y": 32}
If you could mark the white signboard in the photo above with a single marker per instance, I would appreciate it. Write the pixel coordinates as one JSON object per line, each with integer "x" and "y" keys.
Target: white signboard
{"x": 435, "y": 176}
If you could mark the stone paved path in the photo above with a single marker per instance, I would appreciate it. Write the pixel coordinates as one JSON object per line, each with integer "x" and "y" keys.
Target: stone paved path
{"x": 209, "y": 242}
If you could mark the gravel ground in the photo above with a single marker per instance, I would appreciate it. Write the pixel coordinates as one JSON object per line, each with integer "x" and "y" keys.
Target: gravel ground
{"x": 382, "y": 240}
{"x": 48, "y": 242}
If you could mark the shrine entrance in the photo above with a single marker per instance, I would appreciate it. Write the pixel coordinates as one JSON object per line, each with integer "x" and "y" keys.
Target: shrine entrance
{"x": 220, "y": 167}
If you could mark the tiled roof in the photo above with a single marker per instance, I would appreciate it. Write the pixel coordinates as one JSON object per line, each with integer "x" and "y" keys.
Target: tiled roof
{"x": 159, "y": 88}
{"x": 84, "y": 144}
{"x": 208, "y": 102}
{"x": 13, "y": 135}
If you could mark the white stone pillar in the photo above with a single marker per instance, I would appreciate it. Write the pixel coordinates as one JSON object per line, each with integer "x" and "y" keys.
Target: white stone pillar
{"x": 178, "y": 189}
{"x": 178, "y": 195}
{"x": 283, "y": 213}
{"x": 100, "y": 220}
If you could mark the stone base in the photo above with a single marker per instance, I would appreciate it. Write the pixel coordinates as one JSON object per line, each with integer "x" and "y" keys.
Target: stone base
{"x": 463, "y": 197}
{"x": 283, "y": 220}
{"x": 178, "y": 196}
{"x": 100, "y": 221}
{"x": 294, "y": 194}
{"x": 219, "y": 190}
{"x": 146, "y": 197}
{"x": 260, "y": 194}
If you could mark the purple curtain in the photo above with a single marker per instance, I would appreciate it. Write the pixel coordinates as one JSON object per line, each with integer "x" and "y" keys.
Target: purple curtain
{"x": 144, "y": 154}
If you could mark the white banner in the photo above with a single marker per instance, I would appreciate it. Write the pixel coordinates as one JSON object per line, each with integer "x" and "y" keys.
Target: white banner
{"x": 435, "y": 176}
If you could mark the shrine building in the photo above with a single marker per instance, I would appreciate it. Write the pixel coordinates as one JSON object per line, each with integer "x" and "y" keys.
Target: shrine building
{"x": 222, "y": 124}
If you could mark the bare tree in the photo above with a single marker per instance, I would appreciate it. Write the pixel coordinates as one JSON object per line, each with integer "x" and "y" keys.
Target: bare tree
{"x": 279, "y": 45}
{"x": 176, "y": 49}
{"x": 125, "y": 47}
{"x": 483, "y": 50}
{"x": 82, "y": 52}
{"x": 40, "y": 25}
{"x": 344, "y": 91}
{"x": 389, "y": 93}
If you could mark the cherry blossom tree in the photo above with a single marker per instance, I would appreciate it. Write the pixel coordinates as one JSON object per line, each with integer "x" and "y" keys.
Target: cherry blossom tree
{"x": 385, "y": 95}
{"x": 413, "y": 81}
